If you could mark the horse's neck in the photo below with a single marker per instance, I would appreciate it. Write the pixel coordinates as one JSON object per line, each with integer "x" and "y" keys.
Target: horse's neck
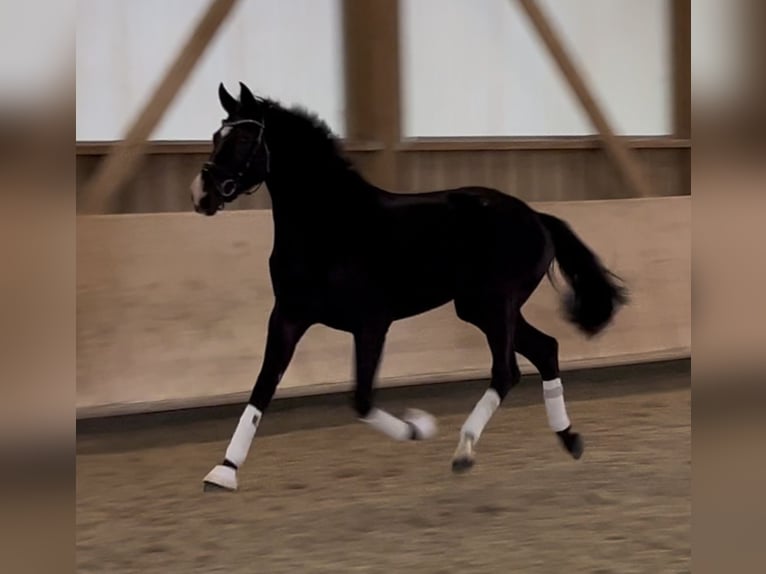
{"x": 306, "y": 203}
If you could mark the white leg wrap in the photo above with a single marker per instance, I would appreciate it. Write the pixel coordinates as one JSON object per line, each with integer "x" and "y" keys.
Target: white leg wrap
{"x": 222, "y": 476}
{"x": 388, "y": 424}
{"x": 553, "y": 393}
{"x": 423, "y": 422}
{"x": 482, "y": 412}
{"x": 243, "y": 436}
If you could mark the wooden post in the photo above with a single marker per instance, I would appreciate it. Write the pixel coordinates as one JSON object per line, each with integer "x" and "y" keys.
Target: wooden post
{"x": 622, "y": 156}
{"x": 681, "y": 28}
{"x": 371, "y": 37}
{"x": 120, "y": 164}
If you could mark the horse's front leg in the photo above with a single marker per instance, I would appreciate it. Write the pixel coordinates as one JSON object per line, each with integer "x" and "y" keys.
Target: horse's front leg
{"x": 283, "y": 336}
{"x": 416, "y": 424}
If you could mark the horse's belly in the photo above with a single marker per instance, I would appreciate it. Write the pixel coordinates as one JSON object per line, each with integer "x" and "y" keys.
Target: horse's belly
{"x": 343, "y": 297}
{"x": 416, "y": 306}
{"x": 418, "y": 295}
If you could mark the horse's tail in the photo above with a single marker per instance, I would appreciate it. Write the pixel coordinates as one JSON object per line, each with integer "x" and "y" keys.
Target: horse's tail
{"x": 596, "y": 292}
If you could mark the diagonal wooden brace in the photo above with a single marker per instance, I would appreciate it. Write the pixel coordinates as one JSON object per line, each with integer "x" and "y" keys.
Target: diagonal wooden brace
{"x": 623, "y": 157}
{"x": 122, "y": 162}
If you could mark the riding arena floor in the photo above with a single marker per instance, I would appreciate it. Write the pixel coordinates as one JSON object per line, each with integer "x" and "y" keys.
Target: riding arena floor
{"x": 321, "y": 492}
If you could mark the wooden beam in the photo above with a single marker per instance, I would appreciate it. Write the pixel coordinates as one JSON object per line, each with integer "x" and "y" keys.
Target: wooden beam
{"x": 189, "y": 147}
{"x": 371, "y": 53}
{"x": 681, "y": 29}
{"x": 548, "y": 143}
{"x": 624, "y": 160}
{"x": 458, "y": 143}
{"x": 117, "y": 167}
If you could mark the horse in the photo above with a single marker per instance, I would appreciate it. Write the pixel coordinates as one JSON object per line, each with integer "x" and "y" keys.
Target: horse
{"x": 354, "y": 257}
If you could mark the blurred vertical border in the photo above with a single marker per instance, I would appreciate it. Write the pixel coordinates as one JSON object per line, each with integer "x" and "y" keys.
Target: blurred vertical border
{"x": 729, "y": 281}
{"x": 37, "y": 285}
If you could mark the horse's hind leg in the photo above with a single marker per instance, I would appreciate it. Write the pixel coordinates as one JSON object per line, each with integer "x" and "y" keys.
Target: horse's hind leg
{"x": 282, "y": 338}
{"x": 415, "y": 425}
{"x": 542, "y": 351}
{"x": 497, "y": 320}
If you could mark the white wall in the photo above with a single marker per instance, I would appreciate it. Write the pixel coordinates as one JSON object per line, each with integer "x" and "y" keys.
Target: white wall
{"x": 477, "y": 68}
{"x": 287, "y": 49}
{"x": 470, "y": 67}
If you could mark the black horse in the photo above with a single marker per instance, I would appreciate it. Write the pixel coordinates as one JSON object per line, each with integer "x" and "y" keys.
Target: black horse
{"x": 354, "y": 257}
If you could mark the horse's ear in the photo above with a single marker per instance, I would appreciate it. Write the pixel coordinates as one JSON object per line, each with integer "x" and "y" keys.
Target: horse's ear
{"x": 227, "y": 100}
{"x": 249, "y": 102}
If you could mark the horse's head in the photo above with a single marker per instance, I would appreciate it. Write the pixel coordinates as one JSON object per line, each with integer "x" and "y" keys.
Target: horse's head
{"x": 239, "y": 162}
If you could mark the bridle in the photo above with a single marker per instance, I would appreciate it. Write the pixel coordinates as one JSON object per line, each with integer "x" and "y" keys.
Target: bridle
{"x": 229, "y": 185}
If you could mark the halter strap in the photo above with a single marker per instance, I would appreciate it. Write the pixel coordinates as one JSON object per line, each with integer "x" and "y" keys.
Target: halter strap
{"x": 242, "y": 122}
{"x": 261, "y": 142}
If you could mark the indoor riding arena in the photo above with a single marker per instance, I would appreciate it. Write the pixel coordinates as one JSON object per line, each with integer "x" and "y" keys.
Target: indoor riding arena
{"x": 580, "y": 109}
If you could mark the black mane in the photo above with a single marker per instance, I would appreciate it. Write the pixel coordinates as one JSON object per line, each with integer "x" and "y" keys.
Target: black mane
{"x": 316, "y": 122}
{"x": 301, "y": 126}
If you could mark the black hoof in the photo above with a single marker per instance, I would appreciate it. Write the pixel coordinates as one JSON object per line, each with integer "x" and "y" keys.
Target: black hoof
{"x": 577, "y": 447}
{"x": 211, "y": 487}
{"x": 572, "y": 442}
{"x": 462, "y": 464}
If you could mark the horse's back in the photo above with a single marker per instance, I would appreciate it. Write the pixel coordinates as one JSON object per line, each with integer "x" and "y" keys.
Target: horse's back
{"x": 441, "y": 243}
{"x": 474, "y": 221}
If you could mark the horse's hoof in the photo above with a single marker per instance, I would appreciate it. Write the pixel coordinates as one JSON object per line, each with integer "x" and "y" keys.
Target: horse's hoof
{"x": 577, "y": 447}
{"x": 221, "y": 478}
{"x": 422, "y": 423}
{"x": 462, "y": 464}
{"x": 463, "y": 458}
{"x": 572, "y": 442}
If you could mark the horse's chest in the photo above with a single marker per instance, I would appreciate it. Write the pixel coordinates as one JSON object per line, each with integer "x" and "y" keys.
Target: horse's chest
{"x": 322, "y": 286}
